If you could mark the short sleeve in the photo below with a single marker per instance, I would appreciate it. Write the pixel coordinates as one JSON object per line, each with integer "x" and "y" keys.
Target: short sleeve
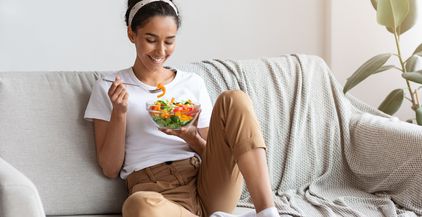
{"x": 206, "y": 106}
{"x": 99, "y": 104}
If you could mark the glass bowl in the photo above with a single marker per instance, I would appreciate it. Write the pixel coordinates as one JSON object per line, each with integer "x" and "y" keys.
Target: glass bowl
{"x": 172, "y": 114}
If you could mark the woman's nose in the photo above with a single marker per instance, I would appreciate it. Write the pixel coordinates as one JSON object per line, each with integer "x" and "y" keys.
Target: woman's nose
{"x": 161, "y": 49}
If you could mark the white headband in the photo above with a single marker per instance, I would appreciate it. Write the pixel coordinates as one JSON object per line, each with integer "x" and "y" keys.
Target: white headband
{"x": 141, "y": 3}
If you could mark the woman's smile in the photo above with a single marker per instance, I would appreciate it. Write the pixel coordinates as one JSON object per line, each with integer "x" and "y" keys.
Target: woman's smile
{"x": 157, "y": 60}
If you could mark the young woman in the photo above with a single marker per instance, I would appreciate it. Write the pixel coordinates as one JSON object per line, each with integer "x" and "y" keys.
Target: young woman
{"x": 195, "y": 171}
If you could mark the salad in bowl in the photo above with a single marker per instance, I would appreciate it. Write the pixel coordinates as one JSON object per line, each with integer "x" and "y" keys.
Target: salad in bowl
{"x": 172, "y": 114}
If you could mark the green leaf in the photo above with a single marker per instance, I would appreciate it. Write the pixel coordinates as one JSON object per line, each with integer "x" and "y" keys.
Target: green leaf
{"x": 384, "y": 68}
{"x": 392, "y": 102}
{"x": 410, "y": 20}
{"x": 392, "y": 13}
{"x": 418, "y": 51}
{"x": 374, "y": 3}
{"x": 411, "y": 64}
{"x": 419, "y": 116}
{"x": 368, "y": 68}
{"x": 413, "y": 76}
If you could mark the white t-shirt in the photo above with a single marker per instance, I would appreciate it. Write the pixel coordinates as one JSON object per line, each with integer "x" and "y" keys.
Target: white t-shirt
{"x": 145, "y": 144}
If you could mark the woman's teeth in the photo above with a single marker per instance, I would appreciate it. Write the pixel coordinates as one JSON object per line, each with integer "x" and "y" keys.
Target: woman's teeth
{"x": 157, "y": 60}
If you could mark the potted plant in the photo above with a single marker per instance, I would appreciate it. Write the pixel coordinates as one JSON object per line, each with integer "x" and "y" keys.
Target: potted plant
{"x": 398, "y": 16}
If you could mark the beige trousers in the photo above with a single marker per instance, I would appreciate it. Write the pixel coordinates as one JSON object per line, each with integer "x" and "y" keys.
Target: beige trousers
{"x": 193, "y": 188}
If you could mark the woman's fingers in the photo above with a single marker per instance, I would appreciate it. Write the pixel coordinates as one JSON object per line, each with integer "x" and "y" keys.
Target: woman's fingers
{"x": 121, "y": 89}
{"x": 167, "y": 131}
{"x": 118, "y": 93}
{"x": 186, "y": 133}
{"x": 121, "y": 96}
{"x": 172, "y": 132}
{"x": 126, "y": 97}
{"x": 114, "y": 85}
{"x": 117, "y": 89}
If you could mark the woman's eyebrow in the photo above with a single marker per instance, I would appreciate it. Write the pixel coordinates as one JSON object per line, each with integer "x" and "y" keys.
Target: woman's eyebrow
{"x": 151, "y": 34}
{"x": 156, "y": 36}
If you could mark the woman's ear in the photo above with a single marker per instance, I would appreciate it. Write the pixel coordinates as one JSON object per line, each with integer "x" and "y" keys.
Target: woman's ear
{"x": 130, "y": 34}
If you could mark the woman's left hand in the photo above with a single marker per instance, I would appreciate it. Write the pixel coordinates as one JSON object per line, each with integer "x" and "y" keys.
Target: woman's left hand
{"x": 190, "y": 134}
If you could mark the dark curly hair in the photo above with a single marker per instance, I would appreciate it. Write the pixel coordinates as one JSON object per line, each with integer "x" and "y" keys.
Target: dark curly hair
{"x": 152, "y": 9}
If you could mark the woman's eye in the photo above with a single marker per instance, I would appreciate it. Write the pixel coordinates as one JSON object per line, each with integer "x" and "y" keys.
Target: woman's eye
{"x": 150, "y": 40}
{"x": 169, "y": 42}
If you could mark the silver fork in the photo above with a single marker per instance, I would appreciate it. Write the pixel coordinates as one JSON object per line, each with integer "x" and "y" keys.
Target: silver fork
{"x": 136, "y": 85}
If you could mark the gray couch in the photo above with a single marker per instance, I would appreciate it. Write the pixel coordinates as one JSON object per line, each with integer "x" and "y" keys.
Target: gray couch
{"x": 329, "y": 154}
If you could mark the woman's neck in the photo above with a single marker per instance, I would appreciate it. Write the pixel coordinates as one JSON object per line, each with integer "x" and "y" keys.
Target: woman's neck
{"x": 153, "y": 77}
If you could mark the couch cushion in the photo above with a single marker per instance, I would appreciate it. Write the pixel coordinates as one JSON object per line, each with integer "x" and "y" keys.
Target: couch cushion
{"x": 84, "y": 216}
{"x": 43, "y": 134}
{"x": 238, "y": 210}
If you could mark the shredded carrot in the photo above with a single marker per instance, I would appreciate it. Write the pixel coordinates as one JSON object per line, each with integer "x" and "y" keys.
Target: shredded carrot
{"x": 163, "y": 90}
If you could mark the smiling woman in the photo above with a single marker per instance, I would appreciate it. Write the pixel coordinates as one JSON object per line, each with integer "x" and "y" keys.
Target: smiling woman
{"x": 152, "y": 27}
{"x": 155, "y": 43}
{"x": 193, "y": 164}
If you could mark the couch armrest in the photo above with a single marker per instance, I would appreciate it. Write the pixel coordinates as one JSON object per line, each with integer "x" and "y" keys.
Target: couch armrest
{"x": 385, "y": 156}
{"x": 18, "y": 195}
{"x": 381, "y": 143}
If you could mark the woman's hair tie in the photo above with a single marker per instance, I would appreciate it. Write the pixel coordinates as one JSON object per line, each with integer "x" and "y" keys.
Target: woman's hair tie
{"x": 142, "y": 3}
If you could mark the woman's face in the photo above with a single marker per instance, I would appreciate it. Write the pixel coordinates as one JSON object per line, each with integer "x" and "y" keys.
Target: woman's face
{"x": 155, "y": 41}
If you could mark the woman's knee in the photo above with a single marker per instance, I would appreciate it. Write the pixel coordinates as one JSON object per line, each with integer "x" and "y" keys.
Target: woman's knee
{"x": 234, "y": 98}
{"x": 142, "y": 203}
{"x": 233, "y": 94}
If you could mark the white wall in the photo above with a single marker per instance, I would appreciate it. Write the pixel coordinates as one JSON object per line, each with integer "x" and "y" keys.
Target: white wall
{"x": 91, "y": 34}
{"x": 356, "y": 37}
{"x": 62, "y": 35}
{"x": 251, "y": 28}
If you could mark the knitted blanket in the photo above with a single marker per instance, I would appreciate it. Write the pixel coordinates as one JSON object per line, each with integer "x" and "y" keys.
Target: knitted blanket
{"x": 328, "y": 154}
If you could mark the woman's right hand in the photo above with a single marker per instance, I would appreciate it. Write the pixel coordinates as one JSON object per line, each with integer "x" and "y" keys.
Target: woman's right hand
{"x": 118, "y": 96}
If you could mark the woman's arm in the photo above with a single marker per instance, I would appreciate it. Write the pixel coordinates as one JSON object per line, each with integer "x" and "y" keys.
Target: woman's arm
{"x": 110, "y": 135}
{"x": 110, "y": 144}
